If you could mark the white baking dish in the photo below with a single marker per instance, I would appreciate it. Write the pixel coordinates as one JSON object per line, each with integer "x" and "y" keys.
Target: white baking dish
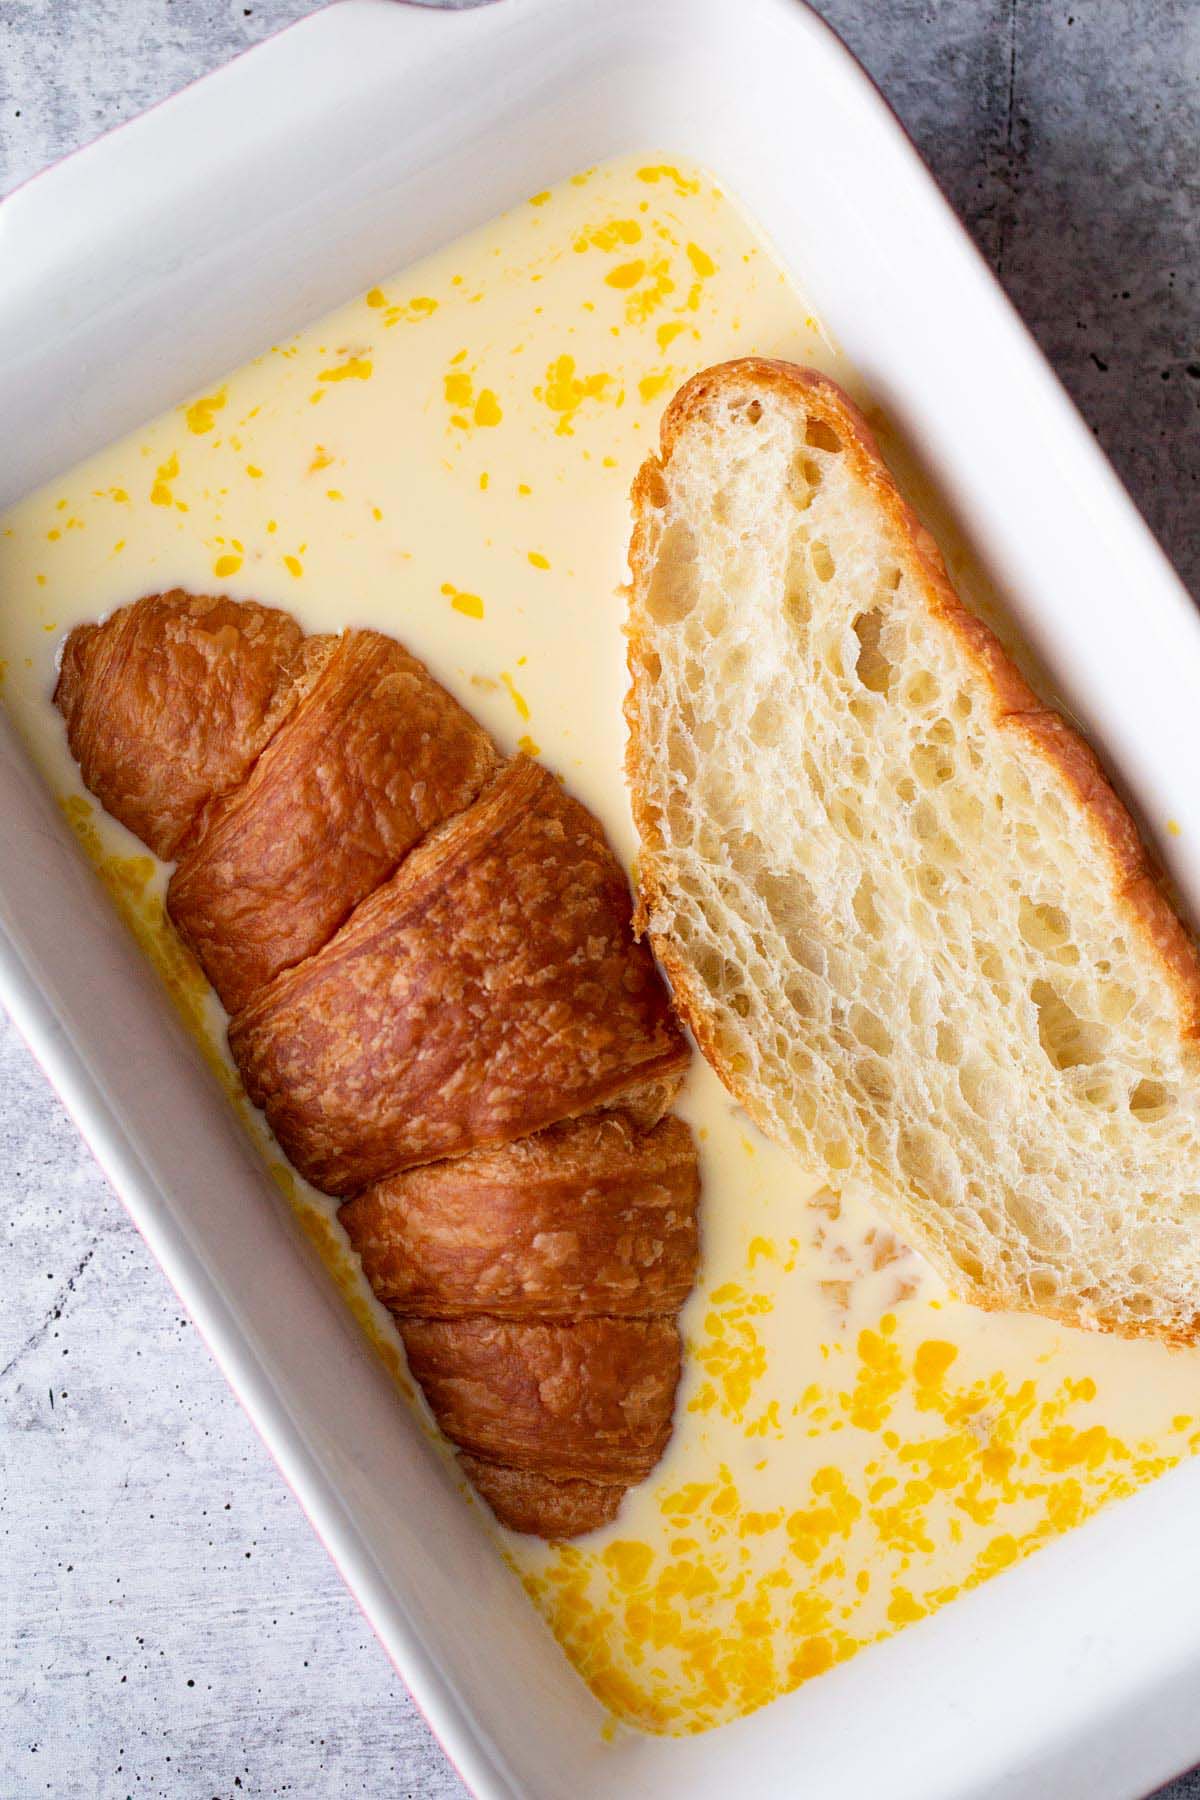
{"x": 179, "y": 246}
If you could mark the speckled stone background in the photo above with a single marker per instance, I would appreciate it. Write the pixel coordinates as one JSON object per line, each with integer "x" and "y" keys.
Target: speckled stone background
{"x": 170, "y": 1625}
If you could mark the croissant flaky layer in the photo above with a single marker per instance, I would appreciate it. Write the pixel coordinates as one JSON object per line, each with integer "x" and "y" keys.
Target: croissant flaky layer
{"x": 589, "y": 1400}
{"x": 373, "y": 757}
{"x": 169, "y": 702}
{"x": 592, "y": 1216}
{"x": 541, "y": 1505}
{"x": 437, "y": 997}
{"x": 491, "y": 987}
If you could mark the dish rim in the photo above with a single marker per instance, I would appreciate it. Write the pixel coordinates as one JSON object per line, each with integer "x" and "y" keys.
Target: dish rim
{"x": 26, "y": 996}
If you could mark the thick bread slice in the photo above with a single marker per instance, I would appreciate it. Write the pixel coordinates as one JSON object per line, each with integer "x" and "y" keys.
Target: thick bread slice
{"x": 907, "y": 917}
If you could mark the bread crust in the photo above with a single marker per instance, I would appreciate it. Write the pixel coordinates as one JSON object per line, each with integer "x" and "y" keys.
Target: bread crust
{"x": 1138, "y": 883}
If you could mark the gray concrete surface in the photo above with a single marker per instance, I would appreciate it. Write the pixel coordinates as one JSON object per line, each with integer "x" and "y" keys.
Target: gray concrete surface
{"x": 170, "y": 1625}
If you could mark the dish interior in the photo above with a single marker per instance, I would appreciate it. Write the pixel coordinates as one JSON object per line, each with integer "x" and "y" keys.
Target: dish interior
{"x": 448, "y": 459}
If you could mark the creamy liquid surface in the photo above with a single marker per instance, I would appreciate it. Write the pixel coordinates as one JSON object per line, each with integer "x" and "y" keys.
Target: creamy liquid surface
{"x": 448, "y": 459}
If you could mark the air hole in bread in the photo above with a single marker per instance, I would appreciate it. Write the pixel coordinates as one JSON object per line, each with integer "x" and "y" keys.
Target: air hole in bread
{"x": 747, "y": 850}
{"x": 672, "y": 591}
{"x": 1036, "y": 1226}
{"x": 822, "y": 437}
{"x": 678, "y": 812}
{"x": 1116, "y": 1001}
{"x": 931, "y": 765}
{"x": 874, "y": 1077}
{"x": 846, "y": 813}
{"x": 1151, "y": 1100}
{"x": 931, "y": 883}
{"x": 1067, "y": 1040}
{"x": 768, "y": 722}
{"x": 925, "y": 821}
{"x": 1043, "y": 927}
{"x": 705, "y": 734}
{"x": 920, "y": 690}
{"x": 681, "y": 749}
{"x": 804, "y": 997}
{"x": 809, "y": 952}
{"x": 870, "y": 1029}
{"x": 977, "y": 1085}
{"x": 968, "y": 1262}
{"x": 872, "y": 667}
{"x": 813, "y": 777}
{"x": 863, "y": 903}
{"x": 804, "y": 478}
{"x": 966, "y": 813}
{"x": 797, "y": 609}
{"x": 693, "y": 686}
{"x": 824, "y": 567}
{"x": 1015, "y": 787}
{"x": 920, "y": 1157}
{"x": 709, "y": 967}
{"x": 788, "y": 898}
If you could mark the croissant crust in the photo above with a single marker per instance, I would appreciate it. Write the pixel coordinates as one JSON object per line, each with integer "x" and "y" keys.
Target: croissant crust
{"x": 588, "y": 1217}
{"x": 492, "y": 986}
{"x": 588, "y": 1400}
{"x": 552, "y": 1509}
{"x": 374, "y": 756}
{"x": 169, "y": 702}
{"x": 437, "y": 997}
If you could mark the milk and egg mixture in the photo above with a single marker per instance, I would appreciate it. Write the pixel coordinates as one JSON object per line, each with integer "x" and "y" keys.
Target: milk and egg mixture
{"x": 448, "y": 459}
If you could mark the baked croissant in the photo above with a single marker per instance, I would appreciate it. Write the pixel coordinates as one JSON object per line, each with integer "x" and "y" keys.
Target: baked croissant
{"x": 491, "y": 987}
{"x": 536, "y": 1289}
{"x": 371, "y": 757}
{"x": 169, "y": 702}
{"x": 438, "y": 1000}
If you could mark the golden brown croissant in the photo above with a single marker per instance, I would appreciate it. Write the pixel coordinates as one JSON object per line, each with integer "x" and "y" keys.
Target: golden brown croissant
{"x": 491, "y": 987}
{"x": 428, "y": 955}
{"x": 536, "y": 1289}
{"x": 589, "y": 1217}
{"x": 373, "y": 756}
{"x": 169, "y": 701}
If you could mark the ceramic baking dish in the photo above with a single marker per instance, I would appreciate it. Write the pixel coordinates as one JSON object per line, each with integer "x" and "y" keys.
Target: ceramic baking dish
{"x": 226, "y": 219}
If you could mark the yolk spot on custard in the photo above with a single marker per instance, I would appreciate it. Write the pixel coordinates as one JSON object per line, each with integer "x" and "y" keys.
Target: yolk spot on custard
{"x": 201, "y": 414}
